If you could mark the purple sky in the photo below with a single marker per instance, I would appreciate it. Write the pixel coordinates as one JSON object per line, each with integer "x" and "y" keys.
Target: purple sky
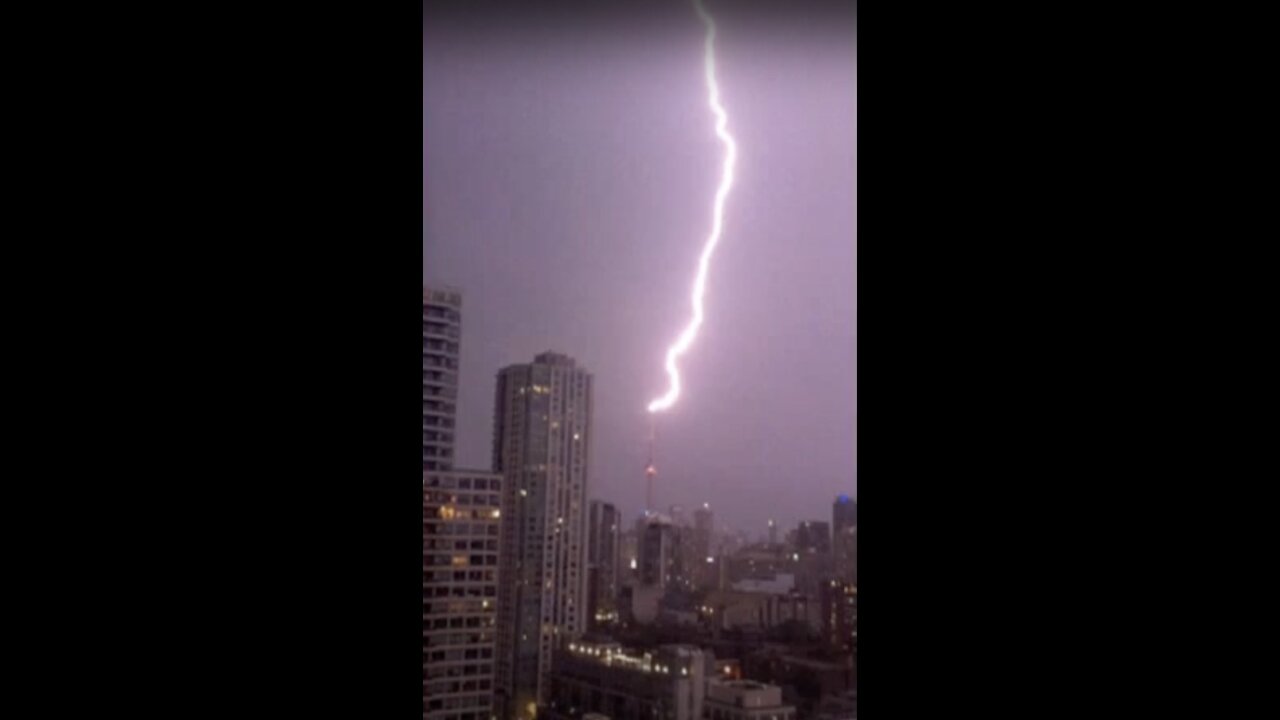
{"x": 568, "y": 190}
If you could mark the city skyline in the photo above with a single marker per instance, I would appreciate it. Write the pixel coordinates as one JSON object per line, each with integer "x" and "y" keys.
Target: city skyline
{"x": 566, "y": 190}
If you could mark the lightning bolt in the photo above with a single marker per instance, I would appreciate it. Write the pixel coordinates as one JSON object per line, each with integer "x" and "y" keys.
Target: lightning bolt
{"x": 690, "y": 333}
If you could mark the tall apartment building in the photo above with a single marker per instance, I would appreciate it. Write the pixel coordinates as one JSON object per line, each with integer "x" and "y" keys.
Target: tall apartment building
{"x": 542, "y": 446}
{"x": 844, "y": 515}
{"x": 461, "y": 541}
{"x": 604, "y": 562}
{"x": 441, "y": 330}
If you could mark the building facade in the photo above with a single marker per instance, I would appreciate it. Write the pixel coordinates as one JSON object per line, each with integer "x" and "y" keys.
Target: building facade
{"x": 441, "y": 333}
{"x": 844, "y": 527}
{"x": 840, "y": 616}
{"x": 604, "y": 559}
{"x": 542, "y": 446}
{"x": 813, "y": 537}
{"x": 461, "y": 541}
{"x": 706, "y": 575}
{"x": 605, "y": 679}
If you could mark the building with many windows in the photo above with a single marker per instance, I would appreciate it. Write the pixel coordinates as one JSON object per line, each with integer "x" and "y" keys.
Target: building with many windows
{"x": 604, "y": 560}
{"x": 441, "y": 330}
{"x": 461, "y": 540}
{"x": 542, "y": 446}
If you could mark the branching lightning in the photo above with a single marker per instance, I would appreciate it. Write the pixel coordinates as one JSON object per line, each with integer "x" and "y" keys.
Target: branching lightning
{"x": 690, "y": 333}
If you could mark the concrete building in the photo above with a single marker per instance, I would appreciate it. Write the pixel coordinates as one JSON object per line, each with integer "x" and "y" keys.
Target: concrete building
{"x": 542, "y": 446}
{"x": 605, "y": 679}
{"x": 461, "y": 539}
{"x": 441, "y": 330}
{"x": 746, "y": 700}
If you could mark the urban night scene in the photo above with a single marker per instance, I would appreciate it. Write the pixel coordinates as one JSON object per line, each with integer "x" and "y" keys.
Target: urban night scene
{"x": 640, "y": 361}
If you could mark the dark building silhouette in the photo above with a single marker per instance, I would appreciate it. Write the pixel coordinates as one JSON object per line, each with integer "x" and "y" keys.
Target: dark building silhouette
{"x": 604, "y": 563}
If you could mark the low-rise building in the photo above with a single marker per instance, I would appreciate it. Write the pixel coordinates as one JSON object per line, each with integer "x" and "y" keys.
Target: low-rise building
{"x": 606, "y": 679}
{"x": 746, "y": 700}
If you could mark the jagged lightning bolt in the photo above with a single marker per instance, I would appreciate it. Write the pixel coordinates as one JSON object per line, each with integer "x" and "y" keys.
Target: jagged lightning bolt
{"x": 690, "y": 333}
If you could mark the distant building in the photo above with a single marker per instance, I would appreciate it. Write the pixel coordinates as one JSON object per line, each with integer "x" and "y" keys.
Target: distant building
{"x": 746, "y": 700}
{"x": 542, "y": 444}
{"x": 845, "y": 538}
{"x": 813, "y": 537}
{"x": 657, "y": 548}
{"x": 779, "y": 584}
{"x": 760, "y": 563}
{"x": 840, "y": 616}
{"x": 656, "y": 565}
{"x": 734, "y": 610}
{"x": 845, "y": 513}
{"x": 676, "y": 513}
{"x": 706, "y": 574}
{"x": 630, "y": 556}
{"x": 441, "y": 328}
{"x": 606, "y": 679}
{"x": 461, "y": 537}
{"x": 604, "y": 563}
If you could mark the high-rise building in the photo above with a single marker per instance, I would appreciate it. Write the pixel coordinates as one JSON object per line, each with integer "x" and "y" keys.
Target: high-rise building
{"x": 813, "y": 537}
{"x": 676, "y": 513}
{"x": 441, "y": 328}
{"x": 840, "y": 616}
{"x": 845, "y": 538}
{"x": 844, "y": 513}
{"x": 630, "y": 556}
{"x": 461, "y": 540}
{"x": 604, "y": 559}
{"x": 542, "y": 446}
{"x": 657, "y": 566}
{"x": 658, "y": 556}
{"x": 706, "y": 574}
